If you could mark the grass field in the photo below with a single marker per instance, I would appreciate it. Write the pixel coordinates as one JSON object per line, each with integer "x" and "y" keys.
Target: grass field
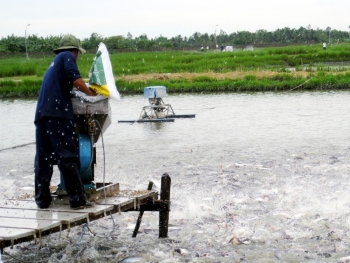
{"x": 266, "y": 69}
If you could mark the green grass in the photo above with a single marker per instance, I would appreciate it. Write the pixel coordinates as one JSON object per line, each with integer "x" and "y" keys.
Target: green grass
{"x": 248, "y": 84}
{"x": 311, "y": 58}
{"x": 23, "y": 67}
{"x": 282, "y": 82}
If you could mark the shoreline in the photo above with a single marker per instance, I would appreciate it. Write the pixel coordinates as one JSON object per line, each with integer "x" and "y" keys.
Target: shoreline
{"x": 235, "y": 81}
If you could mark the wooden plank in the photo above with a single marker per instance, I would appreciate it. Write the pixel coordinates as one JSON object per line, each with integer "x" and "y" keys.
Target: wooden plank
{"x": 15, "y": 233}
{"x": 22, "y": 220}
{"x": 118, "y": 200}
{"x": 11, "y": 236}
{"x": 64, "y": 217}
{"x": 124, "y": 198}
{"x": 15, "y": 203}
{"x": 31, "y": 205}
{"x": 26, "y": 223}
{"x": 131, "y": 200}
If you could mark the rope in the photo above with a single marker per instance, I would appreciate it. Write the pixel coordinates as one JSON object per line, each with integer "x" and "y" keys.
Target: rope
{"x": 299, "y": 85}
{"x": 82, "y": 233}
{"x": 14, "y": 147}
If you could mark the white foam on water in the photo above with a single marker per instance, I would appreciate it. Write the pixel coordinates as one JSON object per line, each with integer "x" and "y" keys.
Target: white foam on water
{"x": 279, "y": 186}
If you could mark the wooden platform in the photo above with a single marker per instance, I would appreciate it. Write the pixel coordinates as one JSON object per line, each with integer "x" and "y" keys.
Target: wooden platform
{"x": 21, "y": 220}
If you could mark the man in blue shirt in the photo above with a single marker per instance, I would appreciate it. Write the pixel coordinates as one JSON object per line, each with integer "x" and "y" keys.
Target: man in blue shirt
{"x": 56, "y": 140}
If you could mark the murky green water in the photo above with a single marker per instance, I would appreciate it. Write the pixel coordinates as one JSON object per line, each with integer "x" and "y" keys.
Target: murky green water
{"x": 270, "y": 170}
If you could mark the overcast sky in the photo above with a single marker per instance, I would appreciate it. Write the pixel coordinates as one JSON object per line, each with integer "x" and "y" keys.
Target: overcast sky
{"x": 168, "y": 18}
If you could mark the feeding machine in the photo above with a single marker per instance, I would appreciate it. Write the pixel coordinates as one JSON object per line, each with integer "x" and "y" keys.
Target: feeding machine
{"x": 92, "y": 120}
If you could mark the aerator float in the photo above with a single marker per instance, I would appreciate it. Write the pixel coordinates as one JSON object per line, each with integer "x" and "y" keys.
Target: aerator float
{"x": 157, "y": 110}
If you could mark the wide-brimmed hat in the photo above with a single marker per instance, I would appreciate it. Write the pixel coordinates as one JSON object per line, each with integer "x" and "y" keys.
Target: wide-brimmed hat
{"x": 69, "y": 42}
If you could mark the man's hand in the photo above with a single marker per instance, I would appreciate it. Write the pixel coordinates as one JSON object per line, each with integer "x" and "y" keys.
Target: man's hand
{"x": 80, "y": 85}
{"x": 93, "y": 93}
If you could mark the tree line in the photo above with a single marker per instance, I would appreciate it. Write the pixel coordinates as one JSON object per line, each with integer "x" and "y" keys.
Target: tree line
{"x": 283, "y": 36}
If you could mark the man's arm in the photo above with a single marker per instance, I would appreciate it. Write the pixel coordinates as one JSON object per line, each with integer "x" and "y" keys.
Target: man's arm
{"x": 80, "y": 85}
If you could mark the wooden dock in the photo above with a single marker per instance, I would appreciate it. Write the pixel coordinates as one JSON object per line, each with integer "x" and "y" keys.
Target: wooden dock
{"x": 21, "y": 220}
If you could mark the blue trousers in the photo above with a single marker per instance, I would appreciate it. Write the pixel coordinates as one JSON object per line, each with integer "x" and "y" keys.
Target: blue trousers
{"x": 57, "y": 144}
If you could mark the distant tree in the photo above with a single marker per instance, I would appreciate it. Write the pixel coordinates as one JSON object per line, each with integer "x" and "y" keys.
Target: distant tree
{"x": 283, "y": 35}
{"x": 244, "y": 38}
{"x": 177, "y": 41}
{"x": 197, "y": 37}
{"x": 143, "y": 36}
{"x": 222, "y": 37}
{"x": 93, "y": 41}
{"x": 14, "y": 44}
{"x": 145, "y": 44}
{"x": 115, "y": 42}
{"x": 160, "y": 39}
{"x": 260, "y": 36}
{"x": 166, "y": 44}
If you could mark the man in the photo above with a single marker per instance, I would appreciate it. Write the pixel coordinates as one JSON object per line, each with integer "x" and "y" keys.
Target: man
{"x": 56, "y": 140}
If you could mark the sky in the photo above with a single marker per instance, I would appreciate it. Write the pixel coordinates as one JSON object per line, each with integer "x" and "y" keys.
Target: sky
{"x": 167, "y": 18}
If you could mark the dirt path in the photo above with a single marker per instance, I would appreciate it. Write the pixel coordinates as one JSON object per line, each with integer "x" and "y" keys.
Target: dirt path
{"x": 229, "y": 75}
{"x": 189, "y": 76}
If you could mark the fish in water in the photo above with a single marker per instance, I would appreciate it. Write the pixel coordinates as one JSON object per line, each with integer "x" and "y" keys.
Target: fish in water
{"x": 344, "y": 260}
{"x": 133, "y": 259}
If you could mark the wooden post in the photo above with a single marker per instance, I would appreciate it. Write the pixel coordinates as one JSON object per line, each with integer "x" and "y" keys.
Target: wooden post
{"x": 138, "y": 223}
{"x": 164, "y": 213}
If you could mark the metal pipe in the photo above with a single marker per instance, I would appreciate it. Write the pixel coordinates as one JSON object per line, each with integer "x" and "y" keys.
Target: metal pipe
{"x": 216, "y": 43}
{"x": 25, "y": 41}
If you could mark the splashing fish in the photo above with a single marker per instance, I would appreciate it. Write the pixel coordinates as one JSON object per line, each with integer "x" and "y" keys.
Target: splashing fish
{"x": 133, "y": 259}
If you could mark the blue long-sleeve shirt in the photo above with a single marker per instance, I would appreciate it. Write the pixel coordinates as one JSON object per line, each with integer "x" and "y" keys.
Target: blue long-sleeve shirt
{"x": 55, "y": 92}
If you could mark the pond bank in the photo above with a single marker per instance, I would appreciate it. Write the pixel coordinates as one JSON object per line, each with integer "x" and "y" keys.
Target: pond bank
{"x": 235, "y": 81}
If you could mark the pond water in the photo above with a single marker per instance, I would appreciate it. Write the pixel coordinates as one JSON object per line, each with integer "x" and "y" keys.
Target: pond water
{"x": 257, "y": 177}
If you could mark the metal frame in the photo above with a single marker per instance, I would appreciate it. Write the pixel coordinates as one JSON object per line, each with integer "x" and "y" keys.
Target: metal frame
{"x": 156, "y": 110}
